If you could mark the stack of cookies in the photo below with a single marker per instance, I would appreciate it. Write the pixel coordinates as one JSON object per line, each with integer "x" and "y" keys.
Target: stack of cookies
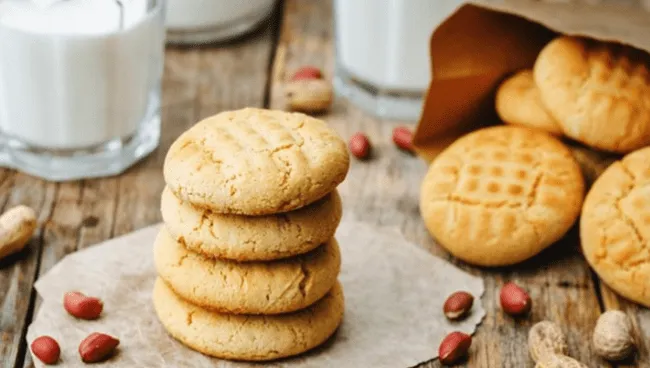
{"x": 247, "y": 259}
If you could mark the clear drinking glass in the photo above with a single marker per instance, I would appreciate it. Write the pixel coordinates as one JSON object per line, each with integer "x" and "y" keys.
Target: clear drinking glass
{"x": 80, "y": 85}
{"x": 206, "y": 21}
{"x": 382, "y": 52}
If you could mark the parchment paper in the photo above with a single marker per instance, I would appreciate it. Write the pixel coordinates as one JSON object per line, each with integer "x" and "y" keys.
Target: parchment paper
{"x": 394, "y": 292}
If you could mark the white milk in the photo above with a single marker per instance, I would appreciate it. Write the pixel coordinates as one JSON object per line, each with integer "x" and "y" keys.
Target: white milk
{"x": 70, "y": 77}
{"x": 385, "y": 43}
{"x": 210, "y": 20}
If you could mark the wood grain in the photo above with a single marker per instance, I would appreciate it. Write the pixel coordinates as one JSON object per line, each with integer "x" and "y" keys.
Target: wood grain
{"x": 18, "y": 272}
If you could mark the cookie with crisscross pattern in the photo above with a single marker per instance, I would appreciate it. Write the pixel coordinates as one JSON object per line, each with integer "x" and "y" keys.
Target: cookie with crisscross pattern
{"x": 500, "y": 195}
{"x": 256, "y": 162}
{"x": 598, "y": 92}
{"x": 615, "y": 226}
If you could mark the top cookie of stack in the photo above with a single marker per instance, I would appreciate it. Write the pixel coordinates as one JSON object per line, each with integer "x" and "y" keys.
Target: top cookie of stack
{"x": 279, "y": 170}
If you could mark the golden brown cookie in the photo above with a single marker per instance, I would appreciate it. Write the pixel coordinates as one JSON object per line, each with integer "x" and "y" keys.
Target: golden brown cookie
{"x": 248, "y": 338}
{"x": 248, "y": 238}
{"x": 500, "y": 195}
{"x": 256, "y": 162}
{"x": 518, "y": 103}
{"x": 598, "y": 92}
{"x": 247, "y": 288}
{"x": 615, "y": 226}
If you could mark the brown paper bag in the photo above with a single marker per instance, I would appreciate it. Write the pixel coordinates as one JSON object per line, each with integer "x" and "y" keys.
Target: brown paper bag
{"x": 485, "y": 41}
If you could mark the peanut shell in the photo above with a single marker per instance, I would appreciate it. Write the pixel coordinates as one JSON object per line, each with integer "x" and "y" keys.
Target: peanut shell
{"x": 309, "y": 95}
{"x": 546, "y": 338}
{"x": 612, "y": 337}
{"x": 559, "y": 361}
{"x": 16, "y": 228}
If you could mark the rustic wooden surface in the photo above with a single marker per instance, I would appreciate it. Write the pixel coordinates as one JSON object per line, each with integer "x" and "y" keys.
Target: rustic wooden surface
{"x": 199, "y": 82}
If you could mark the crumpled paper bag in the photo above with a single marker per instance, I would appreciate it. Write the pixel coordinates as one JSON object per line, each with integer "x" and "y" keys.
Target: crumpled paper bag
{"x": 394, "y": 293}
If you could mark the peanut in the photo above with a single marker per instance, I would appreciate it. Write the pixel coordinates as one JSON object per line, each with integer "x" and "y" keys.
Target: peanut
{"x": 612, "y": 336}
{"x": 97, "y": 347}
{"x": 307, "y": 72}
{"x": 454, "y": 347}
{"x": 360, "y": 146}
{"x": 514, "y": 300}
{"x": 46, "y": 349}
{"x": 546, "y": 338}
{"x": 16, "y": 228}
{"x": 82, "y": 306}
{"x": 403, "y": 138}
{"x": 309, "y": 95}
{"x": 458, "y": 305}
{"x": 559, "y": 361}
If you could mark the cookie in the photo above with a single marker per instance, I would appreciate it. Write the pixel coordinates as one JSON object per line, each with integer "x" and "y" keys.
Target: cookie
{"x": 598, "y": 92}
{"x": 500, "y": 195}
{"x": 615, "y": 226}
{"x": 256, "y": 162}
{"x": 247, "y": 288}
{"x": 246, "y": 238}
{"x": 518, "y": 103}
{"x": 248, "y": 338}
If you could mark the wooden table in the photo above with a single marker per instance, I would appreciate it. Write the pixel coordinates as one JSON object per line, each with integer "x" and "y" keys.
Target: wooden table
{"x": 384, "y": 191}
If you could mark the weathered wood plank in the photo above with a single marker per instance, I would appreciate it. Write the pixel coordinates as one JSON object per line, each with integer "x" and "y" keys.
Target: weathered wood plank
{"x": 60, "y": 237}
{"x": 98, "y": 211}
{"x": 385, "y": 191}
{"x": 17, "y": 273}
{"x": 81, "y": 216}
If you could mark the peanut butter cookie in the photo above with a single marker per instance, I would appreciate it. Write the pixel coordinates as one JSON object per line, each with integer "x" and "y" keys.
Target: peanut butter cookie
{"x": 247, "y": 288}
{"x": 251, "y": 238}
{"x": 615, "y": 226}
{"x": 256, "y": 162}
{"x": 248, "y": 338}
{"x": 598, "y": 92}
{"x": 500, "y": 195}
{"x": 518, "y": 102}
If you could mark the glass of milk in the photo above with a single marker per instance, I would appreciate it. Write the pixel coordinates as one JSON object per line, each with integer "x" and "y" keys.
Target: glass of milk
{"x": 382, "y": 52}
{"x": 80, "y": 84}
{"x": 204, "y": 21}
